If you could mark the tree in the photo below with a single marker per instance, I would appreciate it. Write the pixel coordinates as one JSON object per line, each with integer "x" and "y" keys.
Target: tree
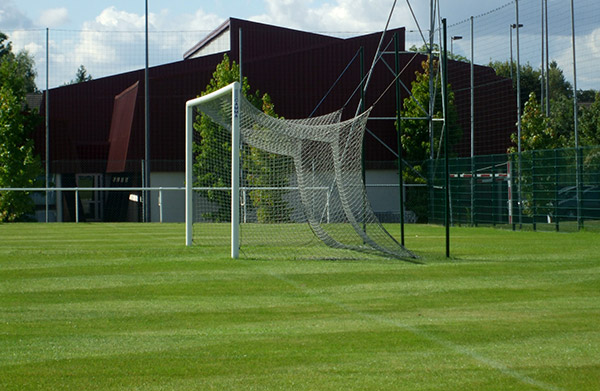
{"x": 558, "y": 85}
{"x": 81, "y": 76}
{"x": 589, "y": 126}
{"x": 537, "y": 130}
{"x": 415, "y": 137}
{"x": 586, "y": 96}
{"x": 589, "y": 123}
{"x": 17, "y": 71}
{"x": 212, "y": 152}
{"x": 530, "y": 78}
{"x": 5, "y": 48}
{"x": 19, "y": 167}
{"x": 415, "y": 132}
{"x": 436, "y": 48}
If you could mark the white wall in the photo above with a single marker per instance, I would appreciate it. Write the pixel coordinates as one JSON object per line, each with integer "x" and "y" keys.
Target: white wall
{"x": 383, "y": 199}
{"x": 173, "y": 201}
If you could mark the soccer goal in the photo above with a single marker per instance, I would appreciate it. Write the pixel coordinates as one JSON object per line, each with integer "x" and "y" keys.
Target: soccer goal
{"x": 270, "y": 186}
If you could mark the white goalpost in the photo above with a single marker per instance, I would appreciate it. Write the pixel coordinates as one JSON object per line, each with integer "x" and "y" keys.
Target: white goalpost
{"x": 298, "y": 183}
{"x": 233, "y": 91}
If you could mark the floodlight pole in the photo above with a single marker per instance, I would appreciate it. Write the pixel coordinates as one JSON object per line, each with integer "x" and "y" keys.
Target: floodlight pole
{"x": 146, "y": 170}
{"x": 361, "y": 109}
{"x": 575, "y": 123}
{"x": 431, "y": 107}
{"x": 547, "y": 59}
{"x": 519, "y": 198}
{"x": 399, "y": 135}
{"x": 48, "y": 123}
{"x": 510, "y": 27}
{"x": 445, "y": 135}
{"x": 472, "y": 125}
{"x": 542, "y": 67}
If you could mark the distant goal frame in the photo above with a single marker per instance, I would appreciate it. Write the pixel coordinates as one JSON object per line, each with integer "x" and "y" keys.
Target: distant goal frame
{"x": 234, "y": 89}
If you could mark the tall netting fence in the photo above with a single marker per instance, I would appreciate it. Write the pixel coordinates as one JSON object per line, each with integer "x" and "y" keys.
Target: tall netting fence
{"x": 542, "y": 44}
{"x": 540, "y": 41}
{"x": 538, "y": 190}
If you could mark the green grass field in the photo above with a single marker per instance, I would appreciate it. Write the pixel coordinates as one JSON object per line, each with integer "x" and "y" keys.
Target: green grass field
{"x": 128, "y": 307}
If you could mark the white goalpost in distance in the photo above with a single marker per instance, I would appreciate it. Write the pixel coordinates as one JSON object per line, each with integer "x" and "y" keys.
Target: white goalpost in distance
{"x": 298, "y": 182}
{"x": 234, "y": 91}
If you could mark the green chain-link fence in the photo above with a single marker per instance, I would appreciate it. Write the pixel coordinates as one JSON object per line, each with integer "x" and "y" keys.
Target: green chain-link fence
{"x": 544, "y": 190}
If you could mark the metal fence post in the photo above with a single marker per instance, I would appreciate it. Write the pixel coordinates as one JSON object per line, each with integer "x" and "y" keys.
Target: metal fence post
{"x": 533, "y": 195}
{"x": 77, "y": 205}
{"x": 556, "y": 200}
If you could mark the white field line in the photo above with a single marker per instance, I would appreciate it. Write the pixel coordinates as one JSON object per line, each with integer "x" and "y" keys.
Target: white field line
{"x": 502, "y": 368}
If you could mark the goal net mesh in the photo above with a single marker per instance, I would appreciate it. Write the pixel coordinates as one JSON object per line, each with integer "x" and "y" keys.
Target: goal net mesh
{"x": 301, "y": 186}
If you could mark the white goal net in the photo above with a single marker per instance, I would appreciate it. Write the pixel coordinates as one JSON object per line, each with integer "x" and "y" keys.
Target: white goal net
{"x": 297, "y": 185}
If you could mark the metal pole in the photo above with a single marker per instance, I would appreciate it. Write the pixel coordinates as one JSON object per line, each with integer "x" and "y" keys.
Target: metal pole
{"x": 399, "y": 136}
{"x": 160, "y": 205}
{"x": 431, "y": 108}
{"x": 146, "y": 172}
{"x": 472, "y": 124}
{"x": 575, "y": 121}
{"x": 445, "y": 135}
{"x": 547, "y": 61}
{"x": 361, "y": 109}
{"x": 240, "y": 58}
{"x": 543, "y": 79}
{"x": 431, "y": 81}
{"x": 77, "y": 206}
{"x": 47, "y": 119}
{"x": 511, "y": 53}
{"x": 518, "y": 110}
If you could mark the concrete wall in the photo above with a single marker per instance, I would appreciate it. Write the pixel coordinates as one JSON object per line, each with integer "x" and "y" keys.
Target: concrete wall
{"x": 384, "y": 199}
{"x": 173, "y": 201}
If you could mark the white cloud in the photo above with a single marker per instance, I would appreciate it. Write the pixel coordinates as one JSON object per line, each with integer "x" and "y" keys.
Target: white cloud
{"x": 115, "y": 20}
{"x": 12, "y": 18}
{"x": 588, "y": 56}
{"x": 114, "y": 41}
{"x": 357, "y": 16}
{"x": 199, "y": 20}
{"x": 54, "y": 17}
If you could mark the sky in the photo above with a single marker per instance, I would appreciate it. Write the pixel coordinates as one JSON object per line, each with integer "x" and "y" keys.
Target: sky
{"x": 321, "y": 15}
{"x": 67, "y": 19}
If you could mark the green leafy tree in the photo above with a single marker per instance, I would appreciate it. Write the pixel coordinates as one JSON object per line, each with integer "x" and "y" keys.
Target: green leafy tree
{"x": 537, "y": 130}
{"x": 415, "y": 133}
{"x": 530, "y": 78}
{"x": 19, "y": 166}
{"x": 589, "y": 123}
{"x": 589, "y": 126}
{"x": 559, "y": 86}
{"x": 586, "y": 96}
{"x": 5, "y": 45}
{"x": 81, "y": 76}
{"x": 213, "y": 152}
{"x": 436, "y": 48}
{"x": 263, "y": 169}
{"x": 539, "y": 134}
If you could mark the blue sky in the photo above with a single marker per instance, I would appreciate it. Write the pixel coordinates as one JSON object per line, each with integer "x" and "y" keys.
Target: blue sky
{"x": 323, "y": 15}
{"x": 338, "y": 17}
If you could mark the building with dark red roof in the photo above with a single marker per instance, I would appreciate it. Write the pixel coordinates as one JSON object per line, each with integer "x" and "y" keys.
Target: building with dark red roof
{"x": 97, "y": 128}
